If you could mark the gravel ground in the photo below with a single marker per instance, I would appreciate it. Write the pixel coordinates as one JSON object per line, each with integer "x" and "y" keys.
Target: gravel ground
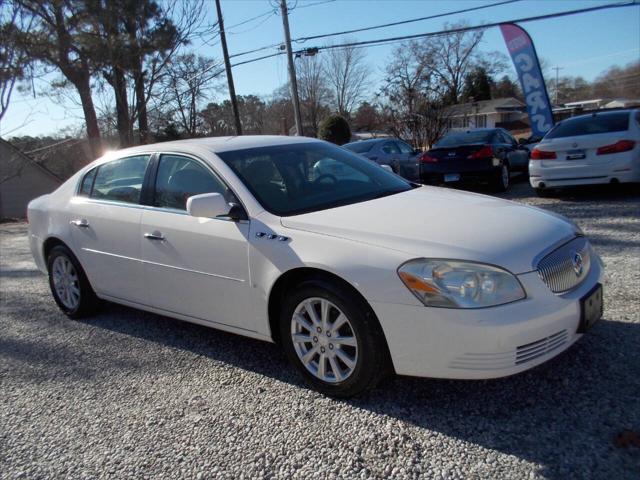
{"x": 131, "y": 394}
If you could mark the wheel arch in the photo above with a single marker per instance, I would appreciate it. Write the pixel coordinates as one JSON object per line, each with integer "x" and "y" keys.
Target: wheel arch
{"x": 51, "y": 242}
{"x": 298, "y": 275}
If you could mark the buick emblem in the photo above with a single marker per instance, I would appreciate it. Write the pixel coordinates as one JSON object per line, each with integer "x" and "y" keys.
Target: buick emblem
{"x": 576, "y": 260}
{"x": 574, "y": 145}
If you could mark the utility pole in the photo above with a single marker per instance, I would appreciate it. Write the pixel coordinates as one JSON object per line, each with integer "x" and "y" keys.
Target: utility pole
{"x": 227, "y": 66}
{"x": 292, "y": 71}
{"x": 557, "y": 69}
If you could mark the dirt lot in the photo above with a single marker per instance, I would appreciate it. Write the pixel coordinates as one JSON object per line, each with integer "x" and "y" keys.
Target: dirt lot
{"x": 131, "y": 394}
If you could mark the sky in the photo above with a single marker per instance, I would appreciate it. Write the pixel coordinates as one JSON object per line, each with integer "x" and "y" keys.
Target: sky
{"x": 581, "y": 45}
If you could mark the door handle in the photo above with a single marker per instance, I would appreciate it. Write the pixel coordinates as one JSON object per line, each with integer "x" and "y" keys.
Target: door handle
{"x": 154, "y": 236}
{"x": 82, "y": 223}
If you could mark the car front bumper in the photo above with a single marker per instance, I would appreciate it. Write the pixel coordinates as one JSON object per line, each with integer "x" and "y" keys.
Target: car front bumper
{"x": 488, "y": 342}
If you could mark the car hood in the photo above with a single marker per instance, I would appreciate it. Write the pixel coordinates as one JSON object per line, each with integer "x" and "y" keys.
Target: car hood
{"x": 443, "y": 223}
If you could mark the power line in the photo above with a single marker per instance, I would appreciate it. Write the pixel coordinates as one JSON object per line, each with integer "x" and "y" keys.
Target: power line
{"x": 403, "y": 22}
{"x": 480, "y": 27}
{"x": 304, "y": 39}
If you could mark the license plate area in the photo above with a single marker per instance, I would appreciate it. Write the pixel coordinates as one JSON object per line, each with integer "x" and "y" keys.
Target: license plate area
{"x": 576, "y": 155}
{"x": 452, "y": 177}
{"x": 591, "y": 308}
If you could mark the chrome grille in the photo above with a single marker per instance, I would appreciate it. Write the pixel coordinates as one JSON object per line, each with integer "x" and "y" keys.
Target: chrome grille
{"x": 531, "y": 351}
{"x": 559, "y": 269}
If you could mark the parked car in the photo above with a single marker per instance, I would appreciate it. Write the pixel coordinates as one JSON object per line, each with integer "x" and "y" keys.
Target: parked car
{"x": 601, "y": 147}
{"x": 482, "y": 155}
{"x": 354, "y": 271}
{"x": 399, "y": 155}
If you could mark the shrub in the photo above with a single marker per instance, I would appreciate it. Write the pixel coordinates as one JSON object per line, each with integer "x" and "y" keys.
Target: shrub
{"x": 335, "y": 129}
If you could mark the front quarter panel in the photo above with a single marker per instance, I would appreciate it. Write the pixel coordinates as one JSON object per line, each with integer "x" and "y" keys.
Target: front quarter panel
{"x": 369, "y": 269}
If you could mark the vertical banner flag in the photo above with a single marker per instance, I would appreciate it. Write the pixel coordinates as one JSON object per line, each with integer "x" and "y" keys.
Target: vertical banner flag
{"x": 525, "y": 59}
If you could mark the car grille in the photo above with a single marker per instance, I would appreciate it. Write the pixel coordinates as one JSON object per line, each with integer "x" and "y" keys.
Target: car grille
{"x": 530, "y": 351}
{"x": 561, "y": 271}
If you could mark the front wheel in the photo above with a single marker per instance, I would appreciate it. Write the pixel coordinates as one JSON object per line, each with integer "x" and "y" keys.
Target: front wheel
{"x": 333, "y": 339}
{"x": 69, "y": 285}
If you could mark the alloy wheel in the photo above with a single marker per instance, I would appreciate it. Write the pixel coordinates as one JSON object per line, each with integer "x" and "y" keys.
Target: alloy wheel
{"x": 65, "y": 282}
{"x": 324, "y": 340}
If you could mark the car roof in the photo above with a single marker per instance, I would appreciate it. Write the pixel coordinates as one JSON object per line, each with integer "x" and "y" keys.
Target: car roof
{"x": 598, "y": 113}
{"x": 372, "y": 140}
{"x": 218, "y": 144}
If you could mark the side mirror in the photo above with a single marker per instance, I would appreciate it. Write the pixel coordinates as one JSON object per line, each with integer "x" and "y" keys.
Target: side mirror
{"x": 417, "y": 151}
{"x": 522, "y": 141}
{"x": 387, "y": 168}
{"x": 208, "y": 205}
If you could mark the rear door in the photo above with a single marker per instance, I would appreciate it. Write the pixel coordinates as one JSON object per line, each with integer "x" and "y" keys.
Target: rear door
{"x": 105, "y": 226}
{"x": 194, "y": 266}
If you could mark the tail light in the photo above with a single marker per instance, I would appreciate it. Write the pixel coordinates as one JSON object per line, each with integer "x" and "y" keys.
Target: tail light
{"x": 426, "y": 158}
{"x": 484, "y": 152}
{"x": 542, "y": 155}
{"x": 618, "y": 147}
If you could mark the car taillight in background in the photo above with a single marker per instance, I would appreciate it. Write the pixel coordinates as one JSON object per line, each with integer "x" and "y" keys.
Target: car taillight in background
{"x": 542, "y": 155}
{"x": 618, "y": 147}
{"x": 484, "y": 152}
{"x": 426, "y": 158}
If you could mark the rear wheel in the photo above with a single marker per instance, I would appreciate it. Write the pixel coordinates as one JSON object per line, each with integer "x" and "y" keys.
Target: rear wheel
{"x": 501, "y": 183}
{"x": 333, "y": 339}
{"x": 69, "y": 285}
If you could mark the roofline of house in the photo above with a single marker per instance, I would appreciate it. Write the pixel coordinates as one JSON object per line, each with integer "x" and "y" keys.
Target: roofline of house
{"x": 31, "y": 160}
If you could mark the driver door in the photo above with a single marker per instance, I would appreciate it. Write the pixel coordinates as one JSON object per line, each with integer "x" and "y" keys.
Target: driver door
{"x": 194, "y": 266}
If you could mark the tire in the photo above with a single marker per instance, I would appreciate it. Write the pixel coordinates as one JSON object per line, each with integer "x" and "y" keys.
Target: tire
{"x": 367, "y": 350}
{"x": 502, "y": 181}
{"x": 72, "y": 292}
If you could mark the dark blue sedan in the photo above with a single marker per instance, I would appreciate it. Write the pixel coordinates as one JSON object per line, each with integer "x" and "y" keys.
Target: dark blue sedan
{"x": 478, "y": 156}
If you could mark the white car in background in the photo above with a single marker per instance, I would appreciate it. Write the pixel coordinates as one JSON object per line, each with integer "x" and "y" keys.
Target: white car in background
{"x": 353, "y": 270}
{"x": 598, "y": 148}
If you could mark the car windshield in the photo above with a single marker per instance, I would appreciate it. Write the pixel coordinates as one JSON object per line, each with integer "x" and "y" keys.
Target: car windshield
{"x": 593, "y": 124}
{"x": 301, "y": 178}
{"x": 465, "y": 138}
{"x": 359, "y": 147}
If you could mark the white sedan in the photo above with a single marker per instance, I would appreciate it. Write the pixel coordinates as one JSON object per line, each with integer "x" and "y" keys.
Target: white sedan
{"x": 601, "y": 147}
{"x": 355, "y": 273}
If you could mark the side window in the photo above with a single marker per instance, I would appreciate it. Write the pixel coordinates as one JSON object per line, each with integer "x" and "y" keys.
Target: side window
{"x": 121, "y": 180}
{"x": 509, "y": 139}
{"x": 180, "y": 178}
{"x": 390, "y": 147}
{"x": 404, "y": 148}
{"x": 87, "y": 183}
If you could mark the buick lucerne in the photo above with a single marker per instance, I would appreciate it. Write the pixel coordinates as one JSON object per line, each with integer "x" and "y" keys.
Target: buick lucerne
{"x": 354, "y": 273}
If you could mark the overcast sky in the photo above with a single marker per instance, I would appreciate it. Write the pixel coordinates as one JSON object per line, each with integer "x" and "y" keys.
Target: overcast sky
{"x": 584, "y": 44}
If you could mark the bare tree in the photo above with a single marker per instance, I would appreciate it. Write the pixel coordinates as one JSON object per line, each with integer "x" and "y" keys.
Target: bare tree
{"x": 13, "y": 56}
{"x": 55, "y": 37}
{"x": 348, "y": 74}
{"x": 450, "y": 57}
{"x": 313, "y": 90}
{"x": 191, "y": 79}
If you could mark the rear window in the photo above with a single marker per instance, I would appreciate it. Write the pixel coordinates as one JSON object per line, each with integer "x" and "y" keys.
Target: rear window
{"x": 465, "y": 138}
{"x": 359, "y": 147}
{"x": 594, "y": 124}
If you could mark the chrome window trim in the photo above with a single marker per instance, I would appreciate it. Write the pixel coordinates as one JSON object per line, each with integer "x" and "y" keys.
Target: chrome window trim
{"x": 139, "y": 206}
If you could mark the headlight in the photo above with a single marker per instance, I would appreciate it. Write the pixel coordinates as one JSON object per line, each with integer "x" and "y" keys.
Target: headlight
{"x": 459, "y": 284}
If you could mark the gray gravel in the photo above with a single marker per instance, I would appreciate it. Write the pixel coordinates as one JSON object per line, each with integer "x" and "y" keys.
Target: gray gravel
{"x": 131, "y": 394}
